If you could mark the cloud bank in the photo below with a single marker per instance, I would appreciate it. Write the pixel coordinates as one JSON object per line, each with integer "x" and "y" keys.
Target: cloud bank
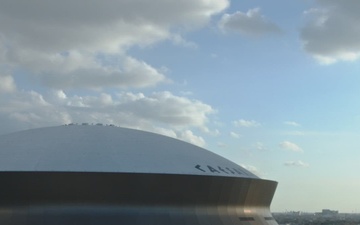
{"x": 331, "y": 33}
{"x": 251, "y": 23}
{"x": 298, "y": 163}
{"x": 246, "y": 123}
{"x": 292, "y": 123}
{"x": 160, "y": 112}
{"x": 287, "y": 145}
{"x": 76, "y": 56}
{"x": 71, "y": 44}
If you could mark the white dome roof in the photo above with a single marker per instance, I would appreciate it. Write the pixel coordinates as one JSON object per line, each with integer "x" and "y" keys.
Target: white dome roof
{"x": 84, "y": 148}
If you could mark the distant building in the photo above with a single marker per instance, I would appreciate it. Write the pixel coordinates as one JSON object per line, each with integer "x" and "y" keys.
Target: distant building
{"x": 109, "y": 175}
{"x": 328, "y": 213}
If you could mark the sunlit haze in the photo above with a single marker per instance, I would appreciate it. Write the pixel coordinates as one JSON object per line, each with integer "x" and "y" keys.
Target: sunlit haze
{"x": 271, "y": 85}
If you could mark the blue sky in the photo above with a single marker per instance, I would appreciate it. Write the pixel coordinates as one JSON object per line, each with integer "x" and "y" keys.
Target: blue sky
{"x": 273, "y": 86}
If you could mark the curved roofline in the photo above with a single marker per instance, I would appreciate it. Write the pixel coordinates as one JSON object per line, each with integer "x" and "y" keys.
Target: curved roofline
{"x": 109, "y": 149}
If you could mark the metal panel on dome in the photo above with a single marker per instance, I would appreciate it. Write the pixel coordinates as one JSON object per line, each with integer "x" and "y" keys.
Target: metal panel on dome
{"x": 109, "y": 149}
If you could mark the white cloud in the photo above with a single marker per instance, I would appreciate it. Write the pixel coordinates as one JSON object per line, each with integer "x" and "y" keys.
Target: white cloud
{"x": 214, "y": 132}
{"x": 332, "y": 33}
{"x": 65, "y": 44}
{"x": 252, "y": 169}
{"x": 221, "y": 145}
{"x": 185, "y": 135}
{"x": 160, "y": 112}
{"x": 287, "y": 145}
{"x": 7, "y": 84}
{"x": 251, "y": 23}
{"x": 246, "y": 123}
{"x": 29, "y": 110}
{"x": 88, "y": 49}
{"x": 188, "y": 136}
{"x": 116, "y": 24}
{"x": 186, "y": 93}
{"x": 76, "y": 69}
{"x": 60, "y": 94}
{"x": 179, "y": 40}
{"x": 292, "y": 123}
{"x": 235, "y": 135}
{"x": 166, "y": 108}
{"x": 260, "y": 146}
{"x": 298, "y": 163}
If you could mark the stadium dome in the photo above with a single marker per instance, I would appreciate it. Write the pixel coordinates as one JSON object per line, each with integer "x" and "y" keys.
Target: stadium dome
{"x": 83, "y": 174}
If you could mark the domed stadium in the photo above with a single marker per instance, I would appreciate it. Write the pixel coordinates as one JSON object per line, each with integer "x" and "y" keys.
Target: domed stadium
{"x": 95, "y": 174}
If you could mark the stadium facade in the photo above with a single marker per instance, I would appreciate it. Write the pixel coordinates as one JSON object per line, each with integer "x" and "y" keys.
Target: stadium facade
{"x": 81, "y": 174}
